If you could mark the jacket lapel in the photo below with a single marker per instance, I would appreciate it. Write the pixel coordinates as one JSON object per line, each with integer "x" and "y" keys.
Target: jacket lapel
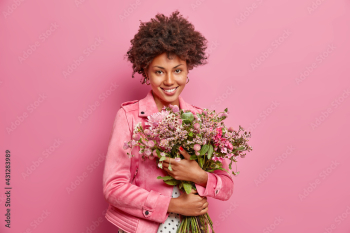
{"x": 147, "y": 105}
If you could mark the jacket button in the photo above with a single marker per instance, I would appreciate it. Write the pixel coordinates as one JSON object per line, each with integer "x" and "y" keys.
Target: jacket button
{"x": 216, "y": 191}
{"x": 146, "y": 212}
{"x": 142, "y": 112}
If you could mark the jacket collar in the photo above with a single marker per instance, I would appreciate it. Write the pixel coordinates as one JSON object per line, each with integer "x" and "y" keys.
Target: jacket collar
{"x": 147, "y": 105}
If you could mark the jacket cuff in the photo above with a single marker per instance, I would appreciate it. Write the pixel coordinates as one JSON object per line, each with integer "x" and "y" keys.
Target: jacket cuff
{"x": 213, "y": 187}
{"x": 156, "y": 207}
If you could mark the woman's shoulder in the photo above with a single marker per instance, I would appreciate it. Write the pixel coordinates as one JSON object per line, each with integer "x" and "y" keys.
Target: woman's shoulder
{"x": 129, "y": 105}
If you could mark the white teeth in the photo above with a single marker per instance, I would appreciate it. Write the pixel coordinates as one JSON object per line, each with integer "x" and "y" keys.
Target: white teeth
{"x": 171, "y": 90}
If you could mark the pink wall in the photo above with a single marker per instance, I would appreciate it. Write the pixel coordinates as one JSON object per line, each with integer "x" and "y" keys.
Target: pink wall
{"x": 281, "y": 67}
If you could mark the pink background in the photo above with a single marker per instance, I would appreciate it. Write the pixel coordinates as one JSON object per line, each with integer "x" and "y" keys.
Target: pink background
{"x": 281, "y": 67}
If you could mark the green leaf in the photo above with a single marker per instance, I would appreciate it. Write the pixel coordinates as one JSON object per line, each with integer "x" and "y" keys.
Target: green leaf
{"x": 204, "y": 149}
{"x": 158, "y": 153}
{"x": 162, "y": 158}
{"x": 190, "y": 134}
{"x": 223, "y": 169}
{"x": 201, "y": 161}
{"x": 171, "y": 182}
{"x": 187, "y": 117}
{"x": 210, "y": 151}
{"x": 187, "y": 187}
{"x": 240, "y": 148}
{"x": 170, "y": 167}
{"x": 193, "y": 157}
{"x": 165, "y": 177}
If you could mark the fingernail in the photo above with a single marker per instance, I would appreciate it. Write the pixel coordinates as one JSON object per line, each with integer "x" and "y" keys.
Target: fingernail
{"x": 181, "y": 148}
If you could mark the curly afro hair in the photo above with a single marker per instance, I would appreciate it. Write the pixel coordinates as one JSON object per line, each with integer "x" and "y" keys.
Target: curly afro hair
{"x": 173, "y": 35}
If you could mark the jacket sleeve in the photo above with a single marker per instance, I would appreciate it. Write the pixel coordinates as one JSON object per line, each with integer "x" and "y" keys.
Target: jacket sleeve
{"x": 219, "y": 184}
{"x": 117, "y": 189}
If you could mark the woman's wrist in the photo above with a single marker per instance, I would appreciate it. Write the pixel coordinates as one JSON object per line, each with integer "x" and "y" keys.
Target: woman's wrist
{"x": 173, "y": 205}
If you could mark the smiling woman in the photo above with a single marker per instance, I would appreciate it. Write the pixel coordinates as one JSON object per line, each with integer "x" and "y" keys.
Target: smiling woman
{"x": 163, "y": 51}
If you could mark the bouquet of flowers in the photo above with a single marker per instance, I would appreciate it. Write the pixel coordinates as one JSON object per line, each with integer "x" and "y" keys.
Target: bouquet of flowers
{"x": 204, "y": 136}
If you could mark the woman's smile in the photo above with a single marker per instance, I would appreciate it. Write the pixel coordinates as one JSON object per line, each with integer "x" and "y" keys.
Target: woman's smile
{"x": 169, "y": 92}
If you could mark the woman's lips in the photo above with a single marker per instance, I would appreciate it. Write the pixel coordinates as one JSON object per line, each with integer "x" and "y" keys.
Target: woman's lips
{"x": 169, "y": 93}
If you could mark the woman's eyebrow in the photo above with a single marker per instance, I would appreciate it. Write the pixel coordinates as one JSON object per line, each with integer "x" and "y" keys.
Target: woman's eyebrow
{"x": 164, "y": 68}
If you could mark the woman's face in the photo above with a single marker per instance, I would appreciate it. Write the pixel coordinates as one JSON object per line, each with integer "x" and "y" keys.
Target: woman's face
{"x": 167, "y": 74}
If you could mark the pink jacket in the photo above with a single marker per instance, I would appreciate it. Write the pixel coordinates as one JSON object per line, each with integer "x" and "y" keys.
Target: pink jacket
{"x": 138, "y": 201}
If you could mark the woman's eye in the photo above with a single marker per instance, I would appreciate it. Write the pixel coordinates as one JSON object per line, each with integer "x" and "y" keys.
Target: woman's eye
{"x": 177, "y": 70}
{"x": 158, "y": 71}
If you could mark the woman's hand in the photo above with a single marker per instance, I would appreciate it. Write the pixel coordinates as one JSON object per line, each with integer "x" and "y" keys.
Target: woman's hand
{"x": 189, "y": 204}
{"x": 186, "y": 169}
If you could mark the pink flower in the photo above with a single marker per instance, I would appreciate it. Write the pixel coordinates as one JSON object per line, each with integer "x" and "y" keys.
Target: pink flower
{"x": 163, "y": 143}
{"x": 177, "y": 159}
{"x": 230, "y": 129}
{"x": 151, "y": 143}
{"x": 175, "y": 108}
{"x": 197, "y": 153}
{"x": 197, "y": 147}
{"x": 147, "y": 131}
{"x": 224, "y": 150}
{"x": 156, "y": 118}
{"x": 147, "y": 152}
{"x": 155, "y": 153}
{"x": 126, "y": 145}
{"x": 136, "y": 137}
{"x": 180, "y": 121}
{"x": 230, "y": 147}
{"x": 196, "y": 125}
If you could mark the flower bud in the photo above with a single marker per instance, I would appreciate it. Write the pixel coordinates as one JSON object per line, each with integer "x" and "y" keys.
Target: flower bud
{"x": 197, "y": 147}
{"x": 136, "y": 137}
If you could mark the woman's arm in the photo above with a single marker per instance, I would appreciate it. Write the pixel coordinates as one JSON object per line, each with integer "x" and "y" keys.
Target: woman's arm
{"x": 117, "y": 190}
{"x": 219, "y": 184}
